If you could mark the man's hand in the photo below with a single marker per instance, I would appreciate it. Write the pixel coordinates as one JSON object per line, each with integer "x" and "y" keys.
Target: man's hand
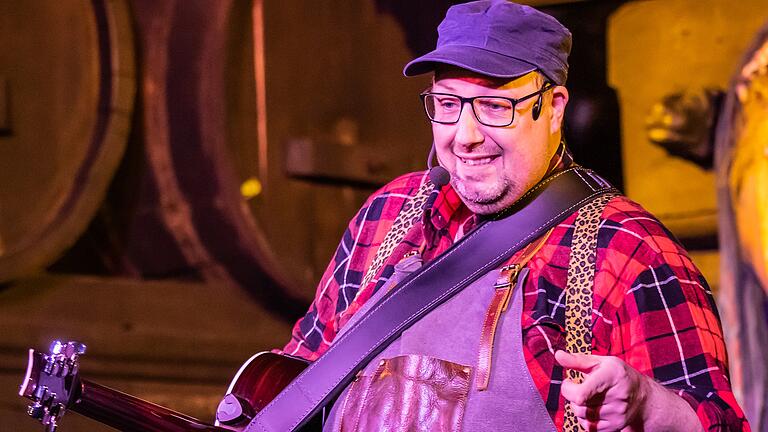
{"x": 611, "y": 395}
{"x": 615, "y": 396}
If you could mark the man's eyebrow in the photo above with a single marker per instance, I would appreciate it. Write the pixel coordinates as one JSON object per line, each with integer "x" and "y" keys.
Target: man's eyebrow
{"x": 442, "y": 85}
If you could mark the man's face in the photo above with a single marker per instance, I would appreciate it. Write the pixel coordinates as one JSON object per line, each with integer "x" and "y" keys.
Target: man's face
{"x": 491, "y": 167}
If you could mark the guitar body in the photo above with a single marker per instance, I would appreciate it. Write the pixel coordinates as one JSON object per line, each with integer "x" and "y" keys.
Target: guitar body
{"x": 258, "y": 381}
{"x": 53, "y": 384}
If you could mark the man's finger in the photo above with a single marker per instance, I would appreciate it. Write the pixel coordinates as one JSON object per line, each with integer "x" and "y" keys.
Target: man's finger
{"x": 592, "y": 413}
{"x": 579, "y": 394}
{"x": 600, "y": 426}
{"x": 593, "y": 390}
{"x": 579, "y": 362}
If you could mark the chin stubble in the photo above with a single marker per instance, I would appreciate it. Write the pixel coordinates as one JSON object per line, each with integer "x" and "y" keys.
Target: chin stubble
{"x": 482, "y": 197}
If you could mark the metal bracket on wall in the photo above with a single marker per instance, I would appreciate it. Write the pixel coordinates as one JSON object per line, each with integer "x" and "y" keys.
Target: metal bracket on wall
{"x": 329, "y": 162}
{"x": 5, "y": 114}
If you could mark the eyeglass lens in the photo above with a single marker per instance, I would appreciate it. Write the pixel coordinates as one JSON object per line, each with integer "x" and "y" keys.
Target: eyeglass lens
{"x": 490, "y": 111}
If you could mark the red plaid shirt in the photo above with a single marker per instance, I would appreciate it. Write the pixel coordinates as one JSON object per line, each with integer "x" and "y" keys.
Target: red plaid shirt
{"x": 652, "y": 307}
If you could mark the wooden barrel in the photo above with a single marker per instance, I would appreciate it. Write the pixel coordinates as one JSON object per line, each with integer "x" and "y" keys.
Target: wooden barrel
{"x": 188, "y": 216}
{"x": 206, "y": 190}
{"x": 66, "y": 95}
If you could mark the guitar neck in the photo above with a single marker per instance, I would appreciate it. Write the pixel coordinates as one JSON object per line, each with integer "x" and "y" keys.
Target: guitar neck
{"x": 131, "y": 414}
{"x": 53, "y": 384}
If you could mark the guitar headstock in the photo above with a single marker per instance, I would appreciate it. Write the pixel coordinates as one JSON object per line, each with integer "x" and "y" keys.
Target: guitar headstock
{"x": 51, "y": 382}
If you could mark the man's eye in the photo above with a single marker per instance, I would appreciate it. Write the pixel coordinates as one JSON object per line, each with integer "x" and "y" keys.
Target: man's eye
{"x": 448, "y": 104}
{"x": 495, "y": 105}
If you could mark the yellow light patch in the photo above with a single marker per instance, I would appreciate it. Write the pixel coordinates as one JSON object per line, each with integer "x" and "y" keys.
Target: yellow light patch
{"x": 250, "y": 188}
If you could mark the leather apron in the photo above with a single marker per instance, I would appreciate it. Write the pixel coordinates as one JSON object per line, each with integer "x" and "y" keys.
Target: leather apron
{"x": 424, "y": 380}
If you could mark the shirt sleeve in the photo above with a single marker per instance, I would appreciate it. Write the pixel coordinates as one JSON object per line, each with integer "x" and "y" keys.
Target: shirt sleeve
{"x": 337, "y": 291}
{"x": 313, "y": 333}
{"x": 668, "y": 328}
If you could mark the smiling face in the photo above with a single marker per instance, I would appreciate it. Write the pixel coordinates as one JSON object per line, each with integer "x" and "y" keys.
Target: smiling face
{"x": 491, "y": 167}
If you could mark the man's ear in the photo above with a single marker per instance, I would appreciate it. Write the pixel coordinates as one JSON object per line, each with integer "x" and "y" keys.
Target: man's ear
{"x": 559, "y": 101}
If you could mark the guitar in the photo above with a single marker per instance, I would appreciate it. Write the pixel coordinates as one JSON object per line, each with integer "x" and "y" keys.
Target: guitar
{"x": 53, "y": 384}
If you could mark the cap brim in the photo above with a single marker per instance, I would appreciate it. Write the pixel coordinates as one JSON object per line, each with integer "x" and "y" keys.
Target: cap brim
{"x": 471, "y": 58}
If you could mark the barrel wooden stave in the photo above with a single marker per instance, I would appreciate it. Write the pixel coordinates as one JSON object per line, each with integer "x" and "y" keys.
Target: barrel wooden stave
{"x": 70, "y": 79}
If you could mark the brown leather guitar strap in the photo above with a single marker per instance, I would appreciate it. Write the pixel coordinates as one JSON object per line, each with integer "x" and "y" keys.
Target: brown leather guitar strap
{"x": 481, "y": 250}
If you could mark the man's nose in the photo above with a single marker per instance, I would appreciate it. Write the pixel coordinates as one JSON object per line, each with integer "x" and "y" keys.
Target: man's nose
{"x": 468, "y": 133}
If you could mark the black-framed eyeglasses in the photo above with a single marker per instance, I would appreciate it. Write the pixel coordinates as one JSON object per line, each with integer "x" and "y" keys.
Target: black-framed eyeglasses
{"x": 494, "y": 111}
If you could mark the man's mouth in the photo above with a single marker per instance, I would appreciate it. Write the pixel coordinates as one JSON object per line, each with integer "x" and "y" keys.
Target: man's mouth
{"x": 475, "y": 161}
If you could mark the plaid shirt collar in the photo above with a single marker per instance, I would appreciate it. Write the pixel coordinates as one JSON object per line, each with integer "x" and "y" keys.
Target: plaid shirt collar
{"x": 446, "y": 214}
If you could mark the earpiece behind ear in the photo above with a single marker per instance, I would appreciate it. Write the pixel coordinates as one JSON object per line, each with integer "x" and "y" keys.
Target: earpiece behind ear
{"x": 536, "y": 110}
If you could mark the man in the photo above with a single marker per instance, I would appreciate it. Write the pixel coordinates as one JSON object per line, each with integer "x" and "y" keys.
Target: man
{"x": 496, "y": 107}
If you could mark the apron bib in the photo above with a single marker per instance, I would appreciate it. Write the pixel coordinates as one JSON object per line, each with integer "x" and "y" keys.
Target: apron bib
{"x": 424, "y": 380}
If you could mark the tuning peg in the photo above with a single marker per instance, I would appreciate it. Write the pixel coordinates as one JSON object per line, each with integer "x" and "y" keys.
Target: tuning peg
{"x": 69, "y": 350}
{"x": 56, "y": 347}
{"x": 51, "y": 418}
{"x": 80, "y": 348}
{"x": 36, "y": 411}
{"x": 73, "y": 349}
